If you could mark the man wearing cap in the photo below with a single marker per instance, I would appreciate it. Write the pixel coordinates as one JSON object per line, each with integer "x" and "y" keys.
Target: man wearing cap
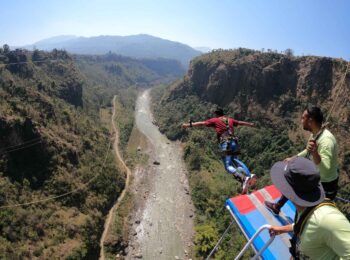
{"x": 228, "y": 144}
{"x": 322, "y": 149}
{"x": 321, "y": 231}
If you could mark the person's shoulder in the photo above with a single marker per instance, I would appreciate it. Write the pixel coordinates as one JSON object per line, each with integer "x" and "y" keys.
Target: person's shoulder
{"x": 328, "y": 134}
{"x": 212, "y": 119}
{"x": 329, "y": 218}
{"x": 327, "y": 137}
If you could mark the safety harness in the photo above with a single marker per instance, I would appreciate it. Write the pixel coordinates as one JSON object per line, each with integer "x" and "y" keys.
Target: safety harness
{"x": 300, "y": 224}
{"x": 228, "y": 136}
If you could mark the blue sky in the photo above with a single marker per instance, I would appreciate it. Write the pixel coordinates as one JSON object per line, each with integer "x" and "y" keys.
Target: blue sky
{"x": 319, "y": 27}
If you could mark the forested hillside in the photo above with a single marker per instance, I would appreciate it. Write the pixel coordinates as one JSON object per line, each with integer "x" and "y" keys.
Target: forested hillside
{"x": 269, "y": 89}
{"x": 55, "y": 142}
{"x": 109, "y": 73}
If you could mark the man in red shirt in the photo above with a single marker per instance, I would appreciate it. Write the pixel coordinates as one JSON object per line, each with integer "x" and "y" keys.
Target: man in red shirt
{"x": 224, "y": 128}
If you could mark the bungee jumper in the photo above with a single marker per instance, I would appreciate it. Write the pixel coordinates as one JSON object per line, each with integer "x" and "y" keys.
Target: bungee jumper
{"x": 228, "y": 145}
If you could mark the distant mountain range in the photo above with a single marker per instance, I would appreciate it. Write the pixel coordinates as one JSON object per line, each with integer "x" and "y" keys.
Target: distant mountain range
{"x": 136, "y": 46}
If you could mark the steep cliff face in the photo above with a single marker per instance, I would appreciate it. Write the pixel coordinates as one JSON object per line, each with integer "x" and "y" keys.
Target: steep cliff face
{"x": 268, "y": 87}
{"x": 241, "y": 77}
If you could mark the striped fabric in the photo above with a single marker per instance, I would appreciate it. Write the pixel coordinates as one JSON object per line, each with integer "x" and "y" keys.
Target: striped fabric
{"x": 250, "y": 213}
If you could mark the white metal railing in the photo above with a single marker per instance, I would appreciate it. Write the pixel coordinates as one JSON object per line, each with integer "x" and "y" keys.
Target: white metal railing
{"x": 250, "y": 241}
{"x": 258, "y": 254}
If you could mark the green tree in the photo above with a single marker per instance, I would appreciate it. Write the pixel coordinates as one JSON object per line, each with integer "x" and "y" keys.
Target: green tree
{"x": 36, "y": 55}
{"x": 289, "y": 52}
{"x": 205, "y": 239}
{"x": 6, "y": 48}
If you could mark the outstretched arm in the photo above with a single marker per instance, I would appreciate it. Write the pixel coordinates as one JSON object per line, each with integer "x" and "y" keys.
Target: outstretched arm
{"x": 246, "y": 123}
{"x": 186, "y": 125}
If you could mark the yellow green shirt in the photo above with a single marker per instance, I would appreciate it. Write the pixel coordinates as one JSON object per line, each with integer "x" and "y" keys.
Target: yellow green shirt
{"x": 328, "y": 150}
{"x": 326, "y": 235}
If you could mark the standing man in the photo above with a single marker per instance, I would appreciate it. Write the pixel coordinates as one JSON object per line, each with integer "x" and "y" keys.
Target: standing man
{"x": 228, "y": 145}
{"x": 322, "y": 150}
{"x": 320, "y": 230}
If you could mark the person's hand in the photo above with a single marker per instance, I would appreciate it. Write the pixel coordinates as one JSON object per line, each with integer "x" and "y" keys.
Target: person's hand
{"x": 185, "y": 125}
{"x": 312, "y": 146}
{"x": 289, "y": 159}
{"x": 276, "y": 230}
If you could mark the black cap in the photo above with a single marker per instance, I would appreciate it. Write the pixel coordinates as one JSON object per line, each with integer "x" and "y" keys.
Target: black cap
{"x": 299, "y": 181}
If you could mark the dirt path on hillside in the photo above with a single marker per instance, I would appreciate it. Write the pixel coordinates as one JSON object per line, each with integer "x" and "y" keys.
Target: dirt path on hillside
{"x": 111, "y": 213}
{"x": 162, "y": 221}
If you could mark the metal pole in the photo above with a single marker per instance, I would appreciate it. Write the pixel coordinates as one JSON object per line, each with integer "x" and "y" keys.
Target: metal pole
{"x": 219, "y": 242}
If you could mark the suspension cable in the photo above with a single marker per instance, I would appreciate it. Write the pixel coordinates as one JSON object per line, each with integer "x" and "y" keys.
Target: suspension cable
{"x": 20, "y": 148}
{"x": 342, "y": 199}
{"x": 219, "y": 242}
{"x": 64, "y": 194}
{"x": 25, "y": 142}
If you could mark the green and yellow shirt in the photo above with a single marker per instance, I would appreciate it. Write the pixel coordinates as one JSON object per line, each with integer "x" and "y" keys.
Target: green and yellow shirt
{"x": 326, "y": 235}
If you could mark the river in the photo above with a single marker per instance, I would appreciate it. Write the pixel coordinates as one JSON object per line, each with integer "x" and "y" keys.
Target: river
{"x": 164, "y": 226}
